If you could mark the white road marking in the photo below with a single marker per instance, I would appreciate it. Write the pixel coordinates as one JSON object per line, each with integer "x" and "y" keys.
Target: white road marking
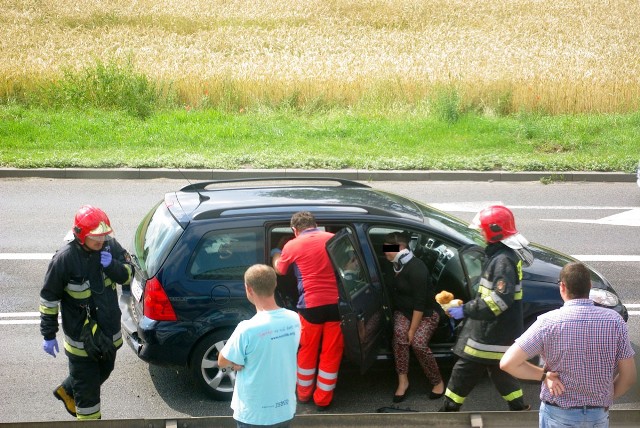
{"x": 606, "y": 258}
{"x": 626, "y": 218}
{"x": 19, "y": 314}
{"x": 630, "y": 216}
{"x": 26, "y": 256}
{"x": 463, "y": 207}
{"x": 474, "y": 207}
{"x": 29, "y": 318}
{"x": 19, "y": 322}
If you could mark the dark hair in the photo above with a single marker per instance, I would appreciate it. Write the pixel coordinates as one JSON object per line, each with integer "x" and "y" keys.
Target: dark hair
{"x": 397, "y": 238}
{"x": 262, "y": 279}
{"x": 303, "y": 220}
{"x": 577, "y": 278}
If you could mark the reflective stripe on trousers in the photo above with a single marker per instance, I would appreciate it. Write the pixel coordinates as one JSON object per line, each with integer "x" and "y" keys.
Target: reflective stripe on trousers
{"x": 321, "y": 347}
{"x": 466, "y": 374}
{"x": 85, "y": 378}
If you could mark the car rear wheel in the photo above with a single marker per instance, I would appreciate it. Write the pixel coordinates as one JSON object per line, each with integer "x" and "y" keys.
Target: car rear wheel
{"x": 215, "y": 381}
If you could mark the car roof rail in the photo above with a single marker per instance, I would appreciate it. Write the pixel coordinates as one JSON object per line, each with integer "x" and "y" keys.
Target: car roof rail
{"x": 316, "y": 209}
{"x": 202, "y": 185}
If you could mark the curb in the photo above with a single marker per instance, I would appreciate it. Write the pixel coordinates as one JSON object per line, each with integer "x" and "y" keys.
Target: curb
{"x": 350, "y": 174}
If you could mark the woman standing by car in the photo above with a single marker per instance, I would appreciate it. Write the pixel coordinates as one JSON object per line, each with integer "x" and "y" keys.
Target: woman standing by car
{"x": 415, "y": 316}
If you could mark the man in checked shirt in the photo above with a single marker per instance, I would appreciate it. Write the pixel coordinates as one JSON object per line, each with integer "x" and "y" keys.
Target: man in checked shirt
{"x": 588, "y": 356}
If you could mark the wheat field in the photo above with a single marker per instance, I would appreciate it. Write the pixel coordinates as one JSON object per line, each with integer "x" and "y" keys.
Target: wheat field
{"x": 566, "y": 56}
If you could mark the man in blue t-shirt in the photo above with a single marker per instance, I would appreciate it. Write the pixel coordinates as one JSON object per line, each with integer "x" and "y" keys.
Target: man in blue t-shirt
{"x": 263, "y": 351}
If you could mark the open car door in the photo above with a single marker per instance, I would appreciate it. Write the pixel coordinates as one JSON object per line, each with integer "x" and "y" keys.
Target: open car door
{"x": 472, "y": 258}
{"x": 360, "y": 305}
{"x": 457, "y": 271}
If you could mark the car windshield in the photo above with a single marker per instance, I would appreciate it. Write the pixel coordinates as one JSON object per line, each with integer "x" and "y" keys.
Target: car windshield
{"x": 449, "y": 225}
{"x": 157, "y": 234}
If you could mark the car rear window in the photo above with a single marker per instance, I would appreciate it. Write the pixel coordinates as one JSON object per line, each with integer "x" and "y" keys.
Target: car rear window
{"x": 225, "y": 254}
{"x": 156, "y": 235}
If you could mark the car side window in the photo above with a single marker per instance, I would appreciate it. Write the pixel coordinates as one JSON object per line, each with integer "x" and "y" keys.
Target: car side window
{"x": 350, "y": 269}
{"x": 441, "y": 257}
{"x": 473, "y": 259}
{"x": 287, "y": 293}
{"x": 224, "y": 255}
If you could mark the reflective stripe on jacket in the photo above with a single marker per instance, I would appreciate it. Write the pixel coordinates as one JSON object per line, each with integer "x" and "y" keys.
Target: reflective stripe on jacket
{"x": 75, "y": 280}
{"x": 493, "y": 320}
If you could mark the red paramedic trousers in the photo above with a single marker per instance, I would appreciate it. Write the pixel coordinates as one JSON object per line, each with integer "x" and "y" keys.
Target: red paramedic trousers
{"x": 321, "y": 347}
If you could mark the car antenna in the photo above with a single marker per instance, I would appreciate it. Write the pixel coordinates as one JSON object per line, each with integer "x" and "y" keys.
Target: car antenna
{"x": 201, "y": 197}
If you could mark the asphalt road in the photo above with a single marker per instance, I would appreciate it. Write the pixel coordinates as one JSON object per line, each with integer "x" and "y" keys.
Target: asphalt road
{"x": 600, "y": 222}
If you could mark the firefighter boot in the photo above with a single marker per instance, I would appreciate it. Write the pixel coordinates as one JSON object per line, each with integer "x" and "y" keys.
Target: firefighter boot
{"x": 518, "y": 405}
{"x": 449, "y": 405}
{"x": 67, "y": 399}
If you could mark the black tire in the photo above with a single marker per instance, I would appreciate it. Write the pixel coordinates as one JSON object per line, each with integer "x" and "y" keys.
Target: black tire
{"x": 215, "y": 382}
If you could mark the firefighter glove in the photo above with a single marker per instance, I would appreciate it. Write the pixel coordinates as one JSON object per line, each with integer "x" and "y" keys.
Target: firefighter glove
{"x": 105, "y": 258}
{"x": 90, "y": 332}
{"x": 50, "y": 346}
{"x": 106, "y": 346}
{"x": 457, "y": 312}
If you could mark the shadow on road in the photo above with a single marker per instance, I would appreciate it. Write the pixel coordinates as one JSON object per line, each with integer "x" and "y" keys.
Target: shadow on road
{"x": 178, "y": 391}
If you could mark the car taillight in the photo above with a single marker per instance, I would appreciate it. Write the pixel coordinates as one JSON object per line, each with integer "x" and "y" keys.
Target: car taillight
{"x": 156, "y": 303}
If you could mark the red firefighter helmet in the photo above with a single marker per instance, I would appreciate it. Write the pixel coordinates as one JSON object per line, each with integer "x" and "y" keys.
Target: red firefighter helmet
{"x": 496, "y": 223}
{"x": 93, "y": 222}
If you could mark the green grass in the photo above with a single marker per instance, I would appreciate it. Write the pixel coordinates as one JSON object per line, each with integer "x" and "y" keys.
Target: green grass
{"x": 105, "y": 86}
{"x": 406, "y": 137}
{"x": 109, "y": 115}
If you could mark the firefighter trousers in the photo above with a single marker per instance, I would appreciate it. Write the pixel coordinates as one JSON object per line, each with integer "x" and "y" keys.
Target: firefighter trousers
{"x": 320, "y": 352}
{"x": 84, "y": 381}
{"x": 466, "y": 374}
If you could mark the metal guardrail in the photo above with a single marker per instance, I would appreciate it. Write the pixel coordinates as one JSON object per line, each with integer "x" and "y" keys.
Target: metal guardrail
{"x": 618, "y": 419}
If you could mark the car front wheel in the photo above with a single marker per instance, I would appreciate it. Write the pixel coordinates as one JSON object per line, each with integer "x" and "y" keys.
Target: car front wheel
{"x": 215, "y": 381}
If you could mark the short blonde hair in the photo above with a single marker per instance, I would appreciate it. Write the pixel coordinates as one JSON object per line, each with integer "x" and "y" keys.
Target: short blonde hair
{"x": 262, "y": 279}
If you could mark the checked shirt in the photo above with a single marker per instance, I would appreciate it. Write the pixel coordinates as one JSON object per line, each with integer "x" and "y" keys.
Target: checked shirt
{"x": 583, "y": 343}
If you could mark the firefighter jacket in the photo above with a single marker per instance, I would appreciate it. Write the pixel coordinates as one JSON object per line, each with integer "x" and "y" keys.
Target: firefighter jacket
{"x": 493, "y": 320}
{"x": 77, "y": 285}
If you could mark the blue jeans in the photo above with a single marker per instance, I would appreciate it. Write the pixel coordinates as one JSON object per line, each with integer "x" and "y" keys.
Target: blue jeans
{"x": 557, "y": 417}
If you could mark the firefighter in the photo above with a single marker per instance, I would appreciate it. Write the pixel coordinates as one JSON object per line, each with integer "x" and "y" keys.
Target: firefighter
{"x": 321, "y": 342}
{"x": 493, "y": 319}
{"x": 81, "y": 283}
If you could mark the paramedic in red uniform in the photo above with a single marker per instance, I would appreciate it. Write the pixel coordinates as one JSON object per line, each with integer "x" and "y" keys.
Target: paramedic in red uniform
{"x": 321, "y": 342}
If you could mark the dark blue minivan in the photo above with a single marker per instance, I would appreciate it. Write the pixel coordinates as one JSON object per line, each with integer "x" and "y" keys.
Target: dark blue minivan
{"x": 191, "y": 251}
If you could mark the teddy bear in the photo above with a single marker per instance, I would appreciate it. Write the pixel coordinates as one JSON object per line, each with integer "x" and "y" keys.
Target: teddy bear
{"x": 446, "y": 300}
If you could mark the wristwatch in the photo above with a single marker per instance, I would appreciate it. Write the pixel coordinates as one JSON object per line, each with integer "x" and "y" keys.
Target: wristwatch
{"x": 544, "y": 376}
